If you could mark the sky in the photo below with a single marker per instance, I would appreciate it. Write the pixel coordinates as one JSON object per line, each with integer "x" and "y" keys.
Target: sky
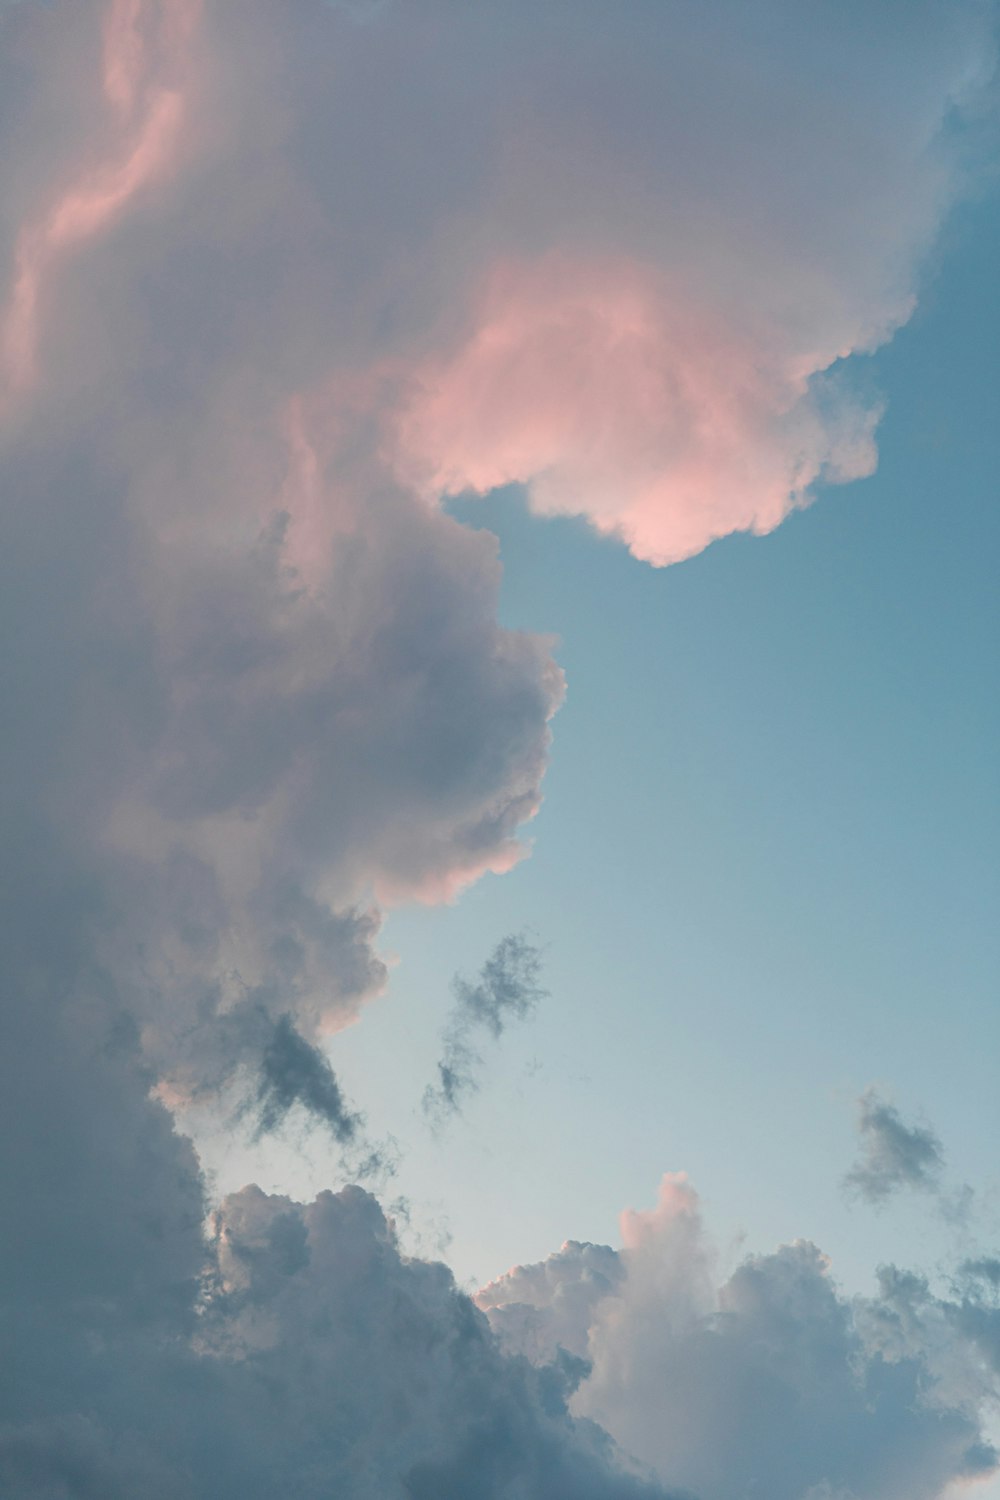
{"x": 499, "y": 792}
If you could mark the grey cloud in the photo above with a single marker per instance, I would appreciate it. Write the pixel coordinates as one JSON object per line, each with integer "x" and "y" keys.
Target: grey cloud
{"x": 956, "y": 1335}
{"x": 209, "y": 766}
{"x": 485, "y": 1424}
{"x": 326, "y": 1363}
{"x": 73, "y": 1459}
{"x": 985, "y": 1270}
{"x": 771, "y": 1380}
{"x": 548, "y": 1308}
{"x": 975, "y": 1307}
{"x": 293, "y": 1072}
{"x": 296, "y": 1353}
{"x": 507, "y": 989}
{"x": 260, "y": 754}
{"x": 893, "y": 1155}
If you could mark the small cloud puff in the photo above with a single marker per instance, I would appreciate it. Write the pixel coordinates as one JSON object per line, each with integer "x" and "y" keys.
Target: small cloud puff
{"x": 893, "y": 1155}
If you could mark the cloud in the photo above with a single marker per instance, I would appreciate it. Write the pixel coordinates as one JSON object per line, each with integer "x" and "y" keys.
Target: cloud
{"x": 507, "y": 990}
{"x": 293, "y": 1072}
{"x": 541, "y": 1309}
{"x": 406, "y": 1381}
{"x": 656, "y": 342}
{"x": 323, "y": 1361}
{"x": 287, "y": 699}
{"x": 893, "y": 1155}
{"x": 975, "y": 1308}
{"x": 770, "y": 1380}
{"x": 272, "y": 277}
{"x": 147, "y": 95}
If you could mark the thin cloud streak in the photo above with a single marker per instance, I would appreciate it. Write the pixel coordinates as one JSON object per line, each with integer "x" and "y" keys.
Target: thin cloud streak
{"x": 102, "y": 192}
{"x": 507, "y": 989}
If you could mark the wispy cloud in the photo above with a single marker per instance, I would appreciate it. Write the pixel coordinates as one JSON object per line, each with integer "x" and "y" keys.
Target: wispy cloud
{"x": 507, "y": 989}
{"x": 893, "y": 1155}
{"x": 295, "y": 1073}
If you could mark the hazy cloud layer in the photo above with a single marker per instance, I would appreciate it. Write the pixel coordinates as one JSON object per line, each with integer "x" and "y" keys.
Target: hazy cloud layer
{"x": 506, "y": 990}
{"x": 272, "y": 277}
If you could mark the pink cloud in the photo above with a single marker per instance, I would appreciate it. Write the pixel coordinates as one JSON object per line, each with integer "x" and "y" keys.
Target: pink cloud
{"x": 101, "y": 192}
{"x": 677, "y": 1207}
{"x": 123, "y": 54}
{"x": 613, "y": 394}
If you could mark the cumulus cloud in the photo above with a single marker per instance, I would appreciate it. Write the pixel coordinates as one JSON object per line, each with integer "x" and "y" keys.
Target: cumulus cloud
{"x": 407, "y": 1381}
{"x": 273, "y": 277}
{"x": 506, "y": 990}
{"x": 322, "y": 1362}
{"x": 656, "y": 343}
{"x": 288, "y": 698}
{"x": 770, "y": 1380}
{"x": 893, "y": 1154}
